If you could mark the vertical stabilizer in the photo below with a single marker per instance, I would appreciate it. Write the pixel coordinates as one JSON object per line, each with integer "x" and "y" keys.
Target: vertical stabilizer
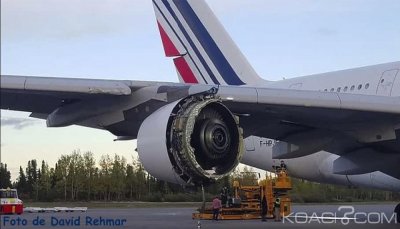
{"x": 203, "y": 51}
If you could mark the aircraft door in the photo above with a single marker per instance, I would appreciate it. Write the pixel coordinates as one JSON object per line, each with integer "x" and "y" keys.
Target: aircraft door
{"x": 396, "y": 86}
{"x": 386, "y": 82}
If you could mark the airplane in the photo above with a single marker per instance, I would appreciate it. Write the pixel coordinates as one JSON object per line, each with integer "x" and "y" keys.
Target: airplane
{"x": 340, "y": 127}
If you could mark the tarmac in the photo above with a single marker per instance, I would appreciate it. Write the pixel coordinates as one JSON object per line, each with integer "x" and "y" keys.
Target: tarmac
{"x": 303, "y": 216}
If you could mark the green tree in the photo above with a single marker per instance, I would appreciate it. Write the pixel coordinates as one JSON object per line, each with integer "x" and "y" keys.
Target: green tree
{"x": 61, "y": 173}
{"x": 130, "y": 181}
{"x": 76, "y": 174}
{"x": 44, "y": 182}
{"x": 89, "y": 168}
{"x": 79, "y": 177}
{"x": 140, "y": 175}
{"x": 118, "y": 172}
{"x": 32, "y": 179}
{"x": 246, "y": 177}
{"x": 21, "y": 182}
{"x": 5, "y": 176}
{"x": 105, "y": 176}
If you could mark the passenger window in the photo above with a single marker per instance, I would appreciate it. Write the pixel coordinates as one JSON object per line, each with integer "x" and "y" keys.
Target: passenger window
{"x": 332, "y": 89}
{"x": 339, "y": 89}
{"x": 367, "y": 86}
{"x": 352, "y": 88}
{"x": 345, "y": 89}
{"x": 359, "y": 87}
{"x": 326, "y": 90}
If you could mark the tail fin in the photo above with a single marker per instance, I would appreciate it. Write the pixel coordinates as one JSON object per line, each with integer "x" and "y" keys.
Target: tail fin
{"x": 203, "y": 51}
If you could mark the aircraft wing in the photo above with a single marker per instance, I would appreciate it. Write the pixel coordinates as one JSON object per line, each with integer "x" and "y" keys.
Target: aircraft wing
{"x": 76, "y": 100}
{"x": 363, "y": 129}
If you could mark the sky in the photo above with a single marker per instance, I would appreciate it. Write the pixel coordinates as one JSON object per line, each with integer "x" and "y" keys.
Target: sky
{"x": 118, "y": 39}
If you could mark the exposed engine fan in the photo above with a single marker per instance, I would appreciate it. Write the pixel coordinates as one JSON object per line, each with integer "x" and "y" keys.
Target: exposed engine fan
{"x": 192, "y": 141}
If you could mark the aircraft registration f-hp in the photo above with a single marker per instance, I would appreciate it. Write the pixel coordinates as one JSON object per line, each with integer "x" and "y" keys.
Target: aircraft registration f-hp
{"x": 340, "y": 127}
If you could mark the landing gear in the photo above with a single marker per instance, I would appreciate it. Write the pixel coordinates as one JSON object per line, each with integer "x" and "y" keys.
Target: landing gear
{"x": 397, "y": 211}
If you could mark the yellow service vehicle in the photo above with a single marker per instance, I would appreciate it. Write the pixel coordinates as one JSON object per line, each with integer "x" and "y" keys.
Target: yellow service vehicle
{"x": 246, "y": 202}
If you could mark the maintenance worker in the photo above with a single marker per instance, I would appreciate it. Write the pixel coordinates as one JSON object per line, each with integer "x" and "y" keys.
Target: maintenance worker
{"x": 216, "y": 205}
{"x": 264, "y": 209}
{"x": 277, "y": 206}
{"x": 224, "y": 196}
{"x": 230, "y": 200}
{"x": 283, "y": 166}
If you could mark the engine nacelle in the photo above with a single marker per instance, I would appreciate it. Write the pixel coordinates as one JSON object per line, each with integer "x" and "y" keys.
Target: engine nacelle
{"x": 192, "y": 141}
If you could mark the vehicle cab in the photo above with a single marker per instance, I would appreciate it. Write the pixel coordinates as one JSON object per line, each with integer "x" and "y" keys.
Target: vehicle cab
{"x": 9, "y": 202}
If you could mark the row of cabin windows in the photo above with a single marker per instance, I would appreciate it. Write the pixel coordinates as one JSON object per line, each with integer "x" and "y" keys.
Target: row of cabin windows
{"x": 346, "y": 88}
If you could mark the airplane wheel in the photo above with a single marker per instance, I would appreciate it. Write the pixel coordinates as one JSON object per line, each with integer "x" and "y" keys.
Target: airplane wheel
{"x": 397, "y": 211}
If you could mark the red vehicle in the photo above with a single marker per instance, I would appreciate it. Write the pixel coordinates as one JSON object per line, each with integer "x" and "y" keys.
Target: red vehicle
{"x": 9, "y": 202}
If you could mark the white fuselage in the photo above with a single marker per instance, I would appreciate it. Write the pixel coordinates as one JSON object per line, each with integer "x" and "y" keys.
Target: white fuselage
{"x": 382, "y": 80}
{"x": 377, "y": 80}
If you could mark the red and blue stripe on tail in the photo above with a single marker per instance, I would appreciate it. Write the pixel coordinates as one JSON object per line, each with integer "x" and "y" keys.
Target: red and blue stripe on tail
{"x": 203, "y": 51}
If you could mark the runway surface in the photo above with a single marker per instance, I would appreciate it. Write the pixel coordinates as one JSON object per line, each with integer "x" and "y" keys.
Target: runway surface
{"x": 363, "y": 216}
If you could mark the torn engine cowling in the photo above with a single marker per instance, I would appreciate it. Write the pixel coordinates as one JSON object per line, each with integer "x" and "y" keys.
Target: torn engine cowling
{"x": 192, "y": 141}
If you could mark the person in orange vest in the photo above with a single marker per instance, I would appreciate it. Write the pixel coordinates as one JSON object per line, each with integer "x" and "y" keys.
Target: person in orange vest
{"x": 216, "y": 205}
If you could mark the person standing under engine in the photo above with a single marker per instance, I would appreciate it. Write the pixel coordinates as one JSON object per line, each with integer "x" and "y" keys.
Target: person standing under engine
{"x": 216, "y": 205}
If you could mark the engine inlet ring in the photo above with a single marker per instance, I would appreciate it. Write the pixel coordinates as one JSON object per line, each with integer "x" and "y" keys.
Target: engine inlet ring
{"x": 218, "y": 143}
